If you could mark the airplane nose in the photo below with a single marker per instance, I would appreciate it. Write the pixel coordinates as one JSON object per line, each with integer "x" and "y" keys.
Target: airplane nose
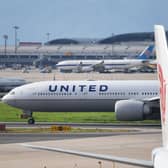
{"x": 4, "y": 99}
{"x": 8, "y": 100}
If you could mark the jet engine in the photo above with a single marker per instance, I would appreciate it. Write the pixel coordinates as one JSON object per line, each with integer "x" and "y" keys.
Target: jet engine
{"x": 135, "y": 110}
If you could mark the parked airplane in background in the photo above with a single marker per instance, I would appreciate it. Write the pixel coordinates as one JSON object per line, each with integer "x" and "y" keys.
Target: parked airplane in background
{"x": 159, "y": 155}
{"x": 7, "y": 84}
{"x": 106, "y": 65}
{"x": 89, "y": 96}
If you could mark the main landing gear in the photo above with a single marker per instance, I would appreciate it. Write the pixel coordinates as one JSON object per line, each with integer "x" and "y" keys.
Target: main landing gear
{"x": 28, "y": 114}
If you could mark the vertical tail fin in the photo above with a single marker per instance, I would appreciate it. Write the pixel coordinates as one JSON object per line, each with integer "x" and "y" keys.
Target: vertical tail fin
{"x": 147, "y": 52}
{"x": 162, "y": 67}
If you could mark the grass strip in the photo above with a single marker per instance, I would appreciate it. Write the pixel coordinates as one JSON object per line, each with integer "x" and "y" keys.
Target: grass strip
{"x": 11, "y": 114}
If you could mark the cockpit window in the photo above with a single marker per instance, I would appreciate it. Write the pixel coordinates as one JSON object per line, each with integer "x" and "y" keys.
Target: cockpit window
{"x": 12, "y": 93}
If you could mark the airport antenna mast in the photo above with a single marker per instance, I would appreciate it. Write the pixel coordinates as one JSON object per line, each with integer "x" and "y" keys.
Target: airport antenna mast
{"x": 5, "y": 38}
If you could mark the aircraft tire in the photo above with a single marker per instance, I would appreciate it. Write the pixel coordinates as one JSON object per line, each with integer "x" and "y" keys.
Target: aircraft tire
{"x": 31, "y": 121}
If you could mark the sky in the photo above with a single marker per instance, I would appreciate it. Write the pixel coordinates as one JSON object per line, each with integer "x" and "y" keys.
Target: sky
{"x": 78, "y": 18}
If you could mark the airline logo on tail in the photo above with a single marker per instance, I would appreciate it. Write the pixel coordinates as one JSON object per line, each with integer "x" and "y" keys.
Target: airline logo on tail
{"x": 147, "y": 52}
{"x": 162, "y": 59}
{"x": 162, "y": 92}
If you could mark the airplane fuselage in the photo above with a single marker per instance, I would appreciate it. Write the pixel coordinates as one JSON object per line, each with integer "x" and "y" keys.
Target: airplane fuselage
{"x": 107, "y": 64}
{"x": 79, "y": 96}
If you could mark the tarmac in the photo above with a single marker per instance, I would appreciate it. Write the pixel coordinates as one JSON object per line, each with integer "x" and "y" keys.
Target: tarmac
{"x": 34, "y": 75}
{"x": 132, "y": 146}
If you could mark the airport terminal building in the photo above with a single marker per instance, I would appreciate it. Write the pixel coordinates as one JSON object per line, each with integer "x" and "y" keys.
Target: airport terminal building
{"x": 115, "y": 47}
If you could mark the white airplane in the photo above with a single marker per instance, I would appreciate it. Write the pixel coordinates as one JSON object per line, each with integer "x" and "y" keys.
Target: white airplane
{"x": 7, "y": 84}
{"x": 141, "y": 96}
{"x": 106, "y": 65}
{"x": 159, "y": 155}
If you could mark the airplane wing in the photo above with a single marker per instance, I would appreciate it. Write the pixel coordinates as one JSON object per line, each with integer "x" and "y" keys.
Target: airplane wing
{"x": 150, "y": 63}
{"x": 153, "y": 99}
{"x": 134, "y": 162}
{"x": 81, "y": 68}
{"x": 100, "y": 67}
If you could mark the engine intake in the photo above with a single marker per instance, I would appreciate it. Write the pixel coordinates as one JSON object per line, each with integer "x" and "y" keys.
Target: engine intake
{"x": 131, "y": 110}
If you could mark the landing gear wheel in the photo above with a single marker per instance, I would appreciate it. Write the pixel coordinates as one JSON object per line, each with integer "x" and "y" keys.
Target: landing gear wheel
{"x": 31, "y": 121}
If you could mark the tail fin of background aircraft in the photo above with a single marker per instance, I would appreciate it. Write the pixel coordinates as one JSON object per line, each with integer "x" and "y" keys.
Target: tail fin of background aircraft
{"x": 147, "y": 52}
{"x": 162, "y": 67}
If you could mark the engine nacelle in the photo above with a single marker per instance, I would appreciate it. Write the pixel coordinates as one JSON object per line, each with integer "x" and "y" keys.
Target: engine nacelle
{"x": 131, "y": 110}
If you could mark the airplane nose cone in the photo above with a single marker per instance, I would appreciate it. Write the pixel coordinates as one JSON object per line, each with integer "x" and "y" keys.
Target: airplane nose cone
{"x": 8, "y": 100}
{"x": 4, "y": 99}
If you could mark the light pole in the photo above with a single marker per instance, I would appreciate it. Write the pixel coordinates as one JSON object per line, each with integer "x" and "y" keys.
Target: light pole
{"x": 5, "y": 38}
{"x": 48, "y": 36}
{"x": 16, "y": 28}
{"x": 112, "y": 44}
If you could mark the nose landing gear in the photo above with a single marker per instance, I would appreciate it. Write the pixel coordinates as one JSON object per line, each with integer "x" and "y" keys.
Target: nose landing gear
{"x": 28, "y": 114}
{"x": 31, "y": 120}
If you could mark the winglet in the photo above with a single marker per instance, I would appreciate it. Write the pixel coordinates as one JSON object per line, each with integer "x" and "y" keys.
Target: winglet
{"x": 162, "y": 67}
